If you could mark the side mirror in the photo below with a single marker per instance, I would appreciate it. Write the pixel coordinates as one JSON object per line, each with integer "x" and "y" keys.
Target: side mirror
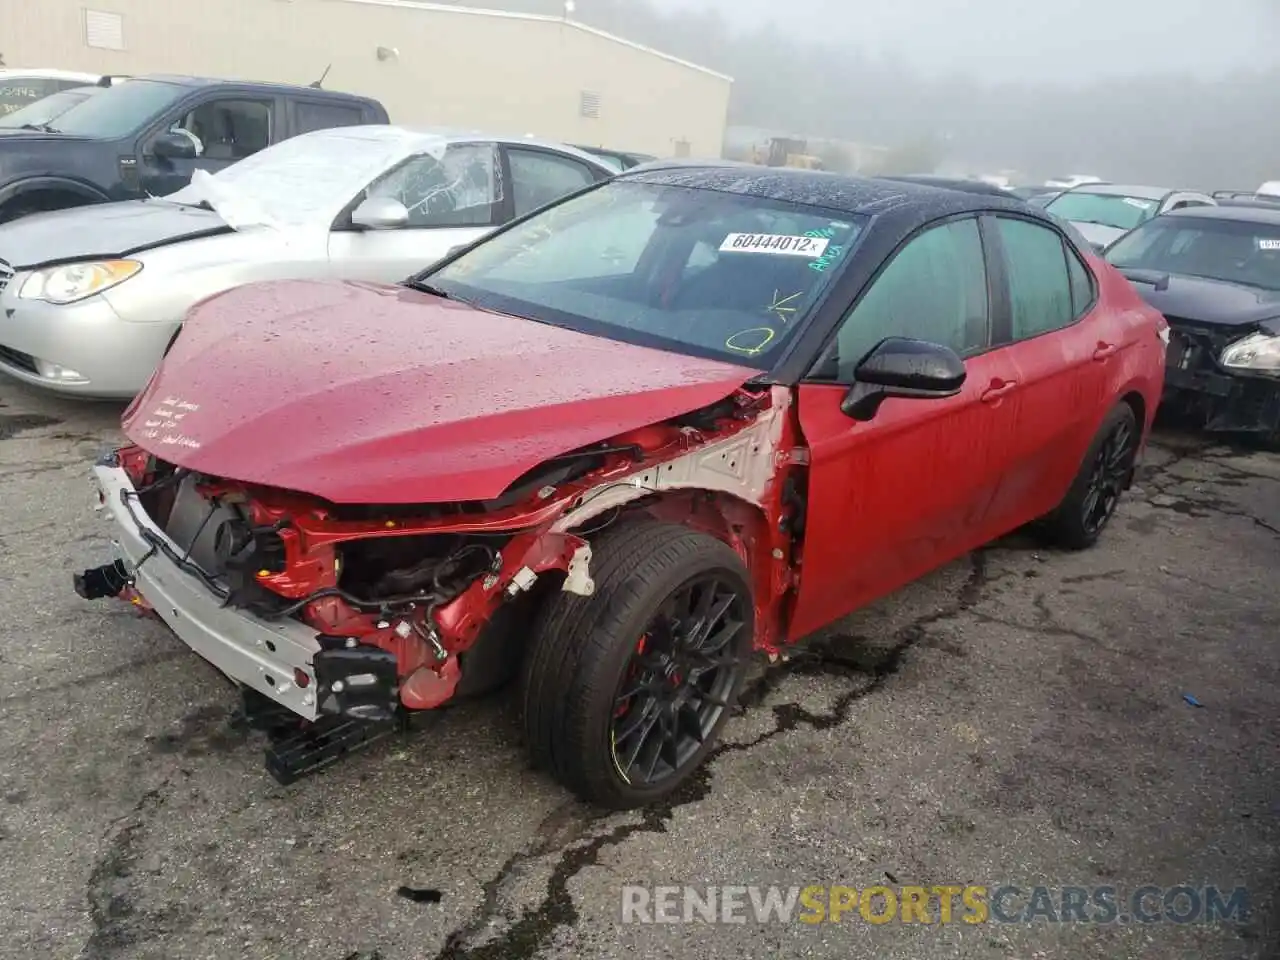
{"x": 380, "y": 213}
{"x": 898, "y": 367}
{"x": 173, "y": 146}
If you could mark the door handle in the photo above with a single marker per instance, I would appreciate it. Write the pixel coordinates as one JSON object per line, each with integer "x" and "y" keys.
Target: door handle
{"x": 998, "y": 389}
{"x": 1104, "y": 350}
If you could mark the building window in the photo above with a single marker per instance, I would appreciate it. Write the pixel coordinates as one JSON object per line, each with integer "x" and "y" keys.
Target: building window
{"x": 104, "y": 30}
{"x": 589, "y": 104}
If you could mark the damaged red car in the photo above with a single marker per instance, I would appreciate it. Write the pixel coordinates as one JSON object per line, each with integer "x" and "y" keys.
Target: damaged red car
{"x": 695, "y": 412}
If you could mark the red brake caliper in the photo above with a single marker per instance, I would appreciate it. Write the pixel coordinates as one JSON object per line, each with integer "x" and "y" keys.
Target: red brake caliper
{"x": 633, "y": 670}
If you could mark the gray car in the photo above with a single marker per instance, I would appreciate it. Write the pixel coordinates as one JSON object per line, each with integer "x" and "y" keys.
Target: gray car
{"x": 1104, "y": 212}
{"x": 91, "y": 297}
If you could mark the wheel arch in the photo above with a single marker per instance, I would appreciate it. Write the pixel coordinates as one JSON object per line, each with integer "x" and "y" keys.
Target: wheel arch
{"x": 36, "y": 185}
{"x": 740, "y": 524}
{"x": 1138, "y": 403}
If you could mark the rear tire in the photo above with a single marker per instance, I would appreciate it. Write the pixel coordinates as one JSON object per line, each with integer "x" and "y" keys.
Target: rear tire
{"x": 620, "y": 704}
{"x": 1078, "y": 521}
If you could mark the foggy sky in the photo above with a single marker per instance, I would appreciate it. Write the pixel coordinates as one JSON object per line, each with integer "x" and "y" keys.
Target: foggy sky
{"x": 1057, "y": 40}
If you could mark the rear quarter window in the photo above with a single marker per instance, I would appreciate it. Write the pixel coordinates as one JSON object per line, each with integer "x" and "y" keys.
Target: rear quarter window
{"x": 311, "y": 115}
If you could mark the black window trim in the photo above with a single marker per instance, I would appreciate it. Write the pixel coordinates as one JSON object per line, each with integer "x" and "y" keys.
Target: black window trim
{"x": 997, "y": 297}
{"x": 1068, "y": 250}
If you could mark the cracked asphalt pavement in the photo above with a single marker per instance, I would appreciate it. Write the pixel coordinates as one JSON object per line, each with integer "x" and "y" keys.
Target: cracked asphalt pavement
{"x": 1018, "y": 717}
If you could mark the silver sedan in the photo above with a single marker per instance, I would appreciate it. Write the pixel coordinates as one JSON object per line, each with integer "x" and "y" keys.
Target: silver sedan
{"x": 91, "y": 298}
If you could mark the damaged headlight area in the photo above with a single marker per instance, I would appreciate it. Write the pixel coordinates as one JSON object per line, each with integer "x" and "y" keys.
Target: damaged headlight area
{"x": 1257, "y": 353}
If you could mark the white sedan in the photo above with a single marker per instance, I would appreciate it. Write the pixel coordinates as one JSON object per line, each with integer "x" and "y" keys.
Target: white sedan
{"x": 91, "y": 297}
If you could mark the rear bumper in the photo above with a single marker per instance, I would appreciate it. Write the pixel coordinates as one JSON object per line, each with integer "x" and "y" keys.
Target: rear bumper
{"x": 259, "y": 654}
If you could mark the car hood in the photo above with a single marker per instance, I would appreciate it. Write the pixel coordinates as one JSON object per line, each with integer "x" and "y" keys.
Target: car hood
{"x": 102, "y": 230}
{"x": 1205, "y": 301}
{"x": 1098, "y": 234}
{"x": 360, "y": 393}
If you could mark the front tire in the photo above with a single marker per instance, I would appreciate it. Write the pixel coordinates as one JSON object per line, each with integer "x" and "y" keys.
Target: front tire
{"x": 1106, "y": 472}
{"x": 625, "y": 691}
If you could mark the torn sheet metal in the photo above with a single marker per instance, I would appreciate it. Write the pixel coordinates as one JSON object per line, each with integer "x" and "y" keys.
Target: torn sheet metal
{"x": 305, "y": 178}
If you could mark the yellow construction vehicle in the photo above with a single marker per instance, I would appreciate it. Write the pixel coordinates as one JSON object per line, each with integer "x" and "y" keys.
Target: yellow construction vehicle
{"x": 785, "y": 152}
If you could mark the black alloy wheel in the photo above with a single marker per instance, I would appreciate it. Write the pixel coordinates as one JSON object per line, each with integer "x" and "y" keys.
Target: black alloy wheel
{"x": 625, "y": 689}
{"x": 1104, "y": 474}
{"x": 1111, "y": 468}
{"x": 676, "y": 683}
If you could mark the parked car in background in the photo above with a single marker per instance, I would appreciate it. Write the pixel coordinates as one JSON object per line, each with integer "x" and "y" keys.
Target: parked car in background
{"x": 1104, "y": 212}
{"x": 1036, "y": 196}
{"x": 965, "y": 185}
{"x": 762, "y": 408}
{"x": 18, "y": 88}
{"x": 92, "y": 296}
{"x": 984, "y": 188}
{"x": 618, "y": 159}
{"x": 1214, "y": 272}
{"x": 148, "y": 136}
{"x": 1074, "y": 180}
{"x": 40, "y": 113}
{"x": 1244, "y": 198}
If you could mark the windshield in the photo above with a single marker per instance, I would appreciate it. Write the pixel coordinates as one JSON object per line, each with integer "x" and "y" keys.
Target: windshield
{"x": 119, "y": 110}
{"x": 1232, "y": 250}
{"x": 696, "y": 271}
{"x": 307, "y": 176}
{"x": 18, "y": 92}
{"x": 42, "y": 111}
{"x": 1123, "y": 213}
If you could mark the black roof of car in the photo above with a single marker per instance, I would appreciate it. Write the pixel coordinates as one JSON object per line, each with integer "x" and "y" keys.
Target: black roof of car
{"x": 1262, "y": 213}
{"x": 952, "y": 183}
{"x": 821, "y": 188}
{"x": 186, "y": 81}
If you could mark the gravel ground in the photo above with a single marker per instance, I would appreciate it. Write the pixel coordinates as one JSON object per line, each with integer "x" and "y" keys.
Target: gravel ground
{"x": 1018, "y": 717}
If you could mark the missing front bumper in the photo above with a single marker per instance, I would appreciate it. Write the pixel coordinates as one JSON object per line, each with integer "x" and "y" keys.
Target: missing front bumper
{"x": 273, "y": 658}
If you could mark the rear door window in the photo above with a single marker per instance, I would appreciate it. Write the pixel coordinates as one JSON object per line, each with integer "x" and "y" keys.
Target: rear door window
{"x": 539, "y": 177}
{"x": 309, "y": 115}
{"x": 1040, "y": 286}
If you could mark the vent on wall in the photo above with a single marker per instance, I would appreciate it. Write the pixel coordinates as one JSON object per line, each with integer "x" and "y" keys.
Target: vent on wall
{"x": 103, "y": 30}
{"x": 589, "y": 104}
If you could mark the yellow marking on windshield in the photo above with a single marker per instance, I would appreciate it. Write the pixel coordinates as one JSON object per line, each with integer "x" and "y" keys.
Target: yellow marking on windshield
{"x": 780, "y": 307}
{"x": 751, "y": 349}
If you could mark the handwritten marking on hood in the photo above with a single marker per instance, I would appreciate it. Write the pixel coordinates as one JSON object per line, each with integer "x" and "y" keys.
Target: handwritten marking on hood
{"x": 179, "y": 440}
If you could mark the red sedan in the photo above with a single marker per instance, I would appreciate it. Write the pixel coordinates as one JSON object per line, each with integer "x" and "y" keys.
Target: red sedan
{"x": 695, "y": 411}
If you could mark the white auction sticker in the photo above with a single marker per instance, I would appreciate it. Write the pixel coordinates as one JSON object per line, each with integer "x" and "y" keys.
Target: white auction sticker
{"x": 1264, "y": 244}
{"x": 777, "y": 243}
{"x": 1140, "y": 204}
